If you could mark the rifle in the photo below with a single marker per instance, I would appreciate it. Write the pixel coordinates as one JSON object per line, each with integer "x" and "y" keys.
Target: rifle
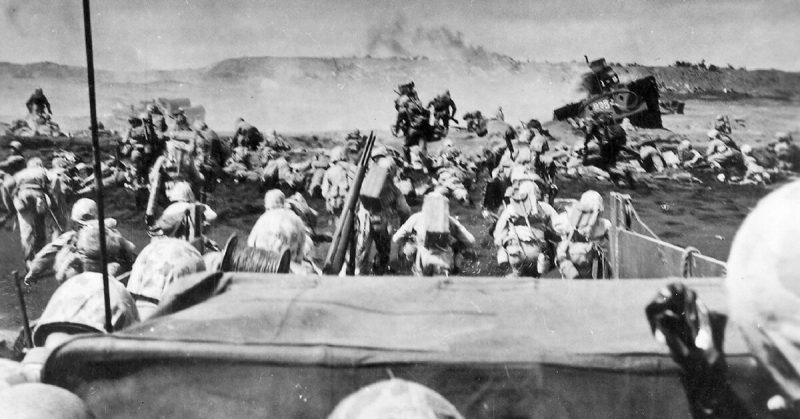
{"x": 26, "y": 325}
{"x": 343, "y": 235}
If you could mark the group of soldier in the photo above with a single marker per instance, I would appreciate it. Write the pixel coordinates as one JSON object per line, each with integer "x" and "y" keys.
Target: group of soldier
{"x": 176, "y": 166}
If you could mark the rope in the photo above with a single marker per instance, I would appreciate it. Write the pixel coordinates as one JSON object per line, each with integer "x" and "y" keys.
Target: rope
{"x": 630, "y": 210}
{"x": 686, "y": 261}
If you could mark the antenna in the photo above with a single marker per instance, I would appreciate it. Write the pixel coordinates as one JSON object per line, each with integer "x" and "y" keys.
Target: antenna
{"x": 101, "y": 213}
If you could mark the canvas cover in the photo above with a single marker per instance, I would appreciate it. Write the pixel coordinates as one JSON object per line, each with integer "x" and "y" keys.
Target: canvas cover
{"x": 289, "y": 346}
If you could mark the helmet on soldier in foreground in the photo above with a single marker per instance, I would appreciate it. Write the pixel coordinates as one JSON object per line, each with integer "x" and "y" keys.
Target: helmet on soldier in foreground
{"x": 37, "y": 400}
{"x": 764, "y": 286}
{"x": 15, "y": 145}
{"x": 274, "y": 198}
{"x": 395, "y": 398}
{"x": 88, "y": 243}
{"x": 83, "y": 210}
{"x": 181, "y": 192}
{"x": 337, "y": 154}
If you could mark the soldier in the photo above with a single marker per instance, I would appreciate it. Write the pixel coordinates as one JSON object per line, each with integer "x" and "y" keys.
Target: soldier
{"x": 499, "y": 115}
{"x": 177, "y": 220}
{"x": 405, "y": 95}
{"x": 755, "y": 173}
{"x": 181, "y": 123}
{"x": 45, "y": 262}
{"x": 77, "y": 306}
{"x": 444, "y": 109}
{"x": 688, "y": 156}
{"x": 157, "y": 119}
{"x": 280, "y": 229}
{"x": 431, "y": 238}
{"x": 355, "y": 141}
{"x": 723, "y": 124}
{"x": 175, "y": 165}
{"x": 721, "y": 153}
{"x": 141, "y": 145}
{"x": 380, "y": 201}
{"x": 523, "y": 231}
{"x": 246, "y": 135}
{"x": 38, "y": 104}
{"x": 318, "y": 167}
{"x": 337, "y": 180}
{"x": 158, "y": 265}
{"x": 33, "y": 203}
{"x": 787, "y": 152}
{"x": 209, "y": 157}
{"x": 8, "y": 168}
{"x": 395, "y": 398}
{"x": 582, "y": 252}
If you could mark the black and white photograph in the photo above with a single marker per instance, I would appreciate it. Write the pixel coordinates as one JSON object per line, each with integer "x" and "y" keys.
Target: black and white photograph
{"x": 399, "y": 209}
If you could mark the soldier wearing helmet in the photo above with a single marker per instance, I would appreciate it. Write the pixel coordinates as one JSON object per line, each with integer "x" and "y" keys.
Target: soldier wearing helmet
{"x": 723, "y": 124}
{"x": 431, "y": 239}
{"x": 787, "y": 152}
{"x": 444, "y": 110}
{"x": 46, "y": 260}
{"x": 581, "y": 254}
{"x": 280, "y": 229}
{"x": 77, "y": 306}
{"x": 141, "y": 145}
{"x": 755, "y": 174}
{"x": 524, "y": 230}
{"x": 158, "y": 265}
{"x": 722, "y": 153}
{"x": 179, "y": 219}
{"x": 380, "y": 202}
{"x": 38, "y": 104}
{"x": 34, "y": 204}
{"x": 395, "y": 398}
{"x": 246, "y": 135}
{"x": 209, "y": 157}
{"x": 336, "y": 181}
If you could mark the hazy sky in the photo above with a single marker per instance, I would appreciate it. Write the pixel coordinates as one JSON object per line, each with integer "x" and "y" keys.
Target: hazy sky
{"x": 160, "y": 34}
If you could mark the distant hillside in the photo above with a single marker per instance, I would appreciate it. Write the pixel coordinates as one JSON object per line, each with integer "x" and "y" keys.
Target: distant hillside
{"x": 300, "y": 93}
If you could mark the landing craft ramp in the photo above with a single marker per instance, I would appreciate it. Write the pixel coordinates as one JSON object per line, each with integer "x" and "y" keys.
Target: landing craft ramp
{"x": 251, "y": 345}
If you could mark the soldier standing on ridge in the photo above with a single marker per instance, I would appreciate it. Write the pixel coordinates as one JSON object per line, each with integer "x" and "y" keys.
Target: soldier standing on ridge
{"x": 38, "y": 104}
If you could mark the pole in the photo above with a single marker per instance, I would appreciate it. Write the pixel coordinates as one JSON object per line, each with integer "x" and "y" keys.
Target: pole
{"x": 26, "y": 325}
{"x": 101, "y": 213}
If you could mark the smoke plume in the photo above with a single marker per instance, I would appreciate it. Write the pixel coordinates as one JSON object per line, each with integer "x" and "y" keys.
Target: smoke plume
{"x": 400, "y": 39}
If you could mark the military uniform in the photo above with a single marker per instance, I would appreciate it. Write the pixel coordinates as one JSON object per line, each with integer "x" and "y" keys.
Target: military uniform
{"x": 279, "y": 229}
{"x": 142, "y": 146}
{"x": 444, "y": 109}
{"x": 521, "y": 232}
{"x": 38, "y": 104}
{"x": 246, "y": 135}
{"x": 336, "y": 181}
{"x": 582, "y": 252}
{"x": 373, "y": 222}
{"x": 431, "y": 256}
{"x": 32, "y": 204}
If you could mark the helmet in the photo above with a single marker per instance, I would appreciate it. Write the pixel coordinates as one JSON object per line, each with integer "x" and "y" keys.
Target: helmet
{"x": 84, "y": 210}
{"x": 712, "y": 134}
{"x": 199, "y": 125}
{"x": 37, "y": 400}
{"x": 151, "y": 108}
{"x": 763, "y": 286}
{"x": 144, "y": 116}
{"x": 720, "y": 117}
{"x": 337, "y": 154}
{"x": 379, "y": 151}
{"x": 274, "y": 198}
{"x": 685, "y": 145}
{"x": 181, "y": 192}
{"x": 746, "y": 149}
{"x": 38, "y": 90}
{"x": 591, "y": 201}
{"x": 395, "y": 398}
{"x": 527, "y": 190}
{"x": 34, "y": 162}
{"x": 15, "y": 145}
